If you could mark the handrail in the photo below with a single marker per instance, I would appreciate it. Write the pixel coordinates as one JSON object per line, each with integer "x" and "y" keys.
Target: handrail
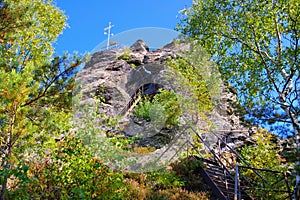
{"x": 237, "y": 190}
{"x": 132, "y": 99}
{"x": 208, "y": 146}
{"x": 239, "y": 157}
{"x": 226, "y": 171}
{"x": 285, "y": 178}
{"x": 255, "y": 170}
{"x": 248, "y": 166}
{"x": 270, "y": 189}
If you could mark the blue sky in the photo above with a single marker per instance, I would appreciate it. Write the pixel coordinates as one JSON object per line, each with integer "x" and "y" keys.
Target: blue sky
{"x": 88, "y": 18}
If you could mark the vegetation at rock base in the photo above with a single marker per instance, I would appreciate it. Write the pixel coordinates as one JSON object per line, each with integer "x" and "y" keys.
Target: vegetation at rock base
{"x": 143, "y": 108}
{"x": 264, "y": 155}
{"x": 70, "y": 171}
{"x": 194, "y": 75}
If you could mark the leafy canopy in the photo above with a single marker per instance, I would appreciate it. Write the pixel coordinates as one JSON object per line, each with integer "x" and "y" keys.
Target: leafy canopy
{"x": 27, "y": 31}
{"x": 265, "y": 155}
{"x": 35, "y": 88}
{"x": 256, "y": 45}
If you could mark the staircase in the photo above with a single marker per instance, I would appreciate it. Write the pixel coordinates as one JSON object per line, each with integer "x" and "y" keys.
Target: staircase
{"x": 228, "y": 183}
{"x": 220, "y": 180}
{"x": 223, "y": 176}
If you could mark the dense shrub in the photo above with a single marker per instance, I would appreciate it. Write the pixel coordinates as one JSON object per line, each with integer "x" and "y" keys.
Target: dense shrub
{"x": 162, "y": 108}
{"x": 71, "y": 172}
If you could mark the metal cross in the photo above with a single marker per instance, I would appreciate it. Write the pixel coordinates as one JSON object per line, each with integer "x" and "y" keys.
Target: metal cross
{"x": 108, "y": 33}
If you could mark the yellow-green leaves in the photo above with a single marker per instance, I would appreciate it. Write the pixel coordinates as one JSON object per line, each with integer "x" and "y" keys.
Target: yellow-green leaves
{"x": 34, "y": 87}
{"x": 27, "y": 31}
{"x": 264, "y": 153}
{"x": 256, "y": 47}
{"x": 191, "y": 81}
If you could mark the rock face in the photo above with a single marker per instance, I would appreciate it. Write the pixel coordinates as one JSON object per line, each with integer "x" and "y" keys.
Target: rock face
{"x": 140, "y": 47}
{"x": 117, "y": 80}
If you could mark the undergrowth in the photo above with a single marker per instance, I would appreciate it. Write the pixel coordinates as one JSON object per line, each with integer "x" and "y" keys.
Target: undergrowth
{"x": 71, "y": 172}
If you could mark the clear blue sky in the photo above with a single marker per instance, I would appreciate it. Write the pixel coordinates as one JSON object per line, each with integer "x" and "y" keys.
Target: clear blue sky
{"x": 88, "y": 18}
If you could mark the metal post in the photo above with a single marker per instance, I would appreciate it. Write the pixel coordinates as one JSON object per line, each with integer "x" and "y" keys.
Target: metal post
{"x": 236, "y": 184}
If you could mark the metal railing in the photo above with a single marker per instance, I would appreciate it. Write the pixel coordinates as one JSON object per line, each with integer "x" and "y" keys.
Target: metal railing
{"x": 261, "y": 184}
{"x": 273, "y": 185}
{"x": 133, "y": 98}
{"x": 266, "y": 186}
{"x": 278, "y": 188}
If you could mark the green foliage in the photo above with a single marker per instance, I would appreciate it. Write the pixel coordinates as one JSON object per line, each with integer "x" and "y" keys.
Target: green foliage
{"x": 162, "y": 108}
{"x": 206, "y": 70}
{"x": 27, "y": 31}
{"x": 17, "y": 179}
{"x": 142, "y": 109}
{"x": 125, "y": 143}
{"x": 125, "y": 56}
{"x": 71, "y": 172}
{"x": 168, "y": 100}
{"x": 35, "y": 88}
{"x": 264, "y": 155}
{"x": 35, "y": 108}
{"x": 164, "y": 179}
{"x": 187, "y": 169}
{"x": 254, "y": 45}
{"x": 190, "y": 80}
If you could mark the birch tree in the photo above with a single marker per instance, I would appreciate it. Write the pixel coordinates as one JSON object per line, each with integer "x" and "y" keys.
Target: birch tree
{"x": 256, "y": 46}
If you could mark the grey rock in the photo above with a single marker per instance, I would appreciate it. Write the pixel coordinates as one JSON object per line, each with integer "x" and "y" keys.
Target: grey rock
{"x": 139, "y": 46}
{"x": 116, "y": 81}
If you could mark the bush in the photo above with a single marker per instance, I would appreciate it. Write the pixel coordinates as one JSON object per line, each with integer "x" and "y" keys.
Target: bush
{"x": 169, "y": 102}
{"x": 71, "y": 172}
{"x": 142, "y": 109}
{"x": 264, "y": 155}
{"x": 164, "y": 109}
{"x": 191, "y": 80}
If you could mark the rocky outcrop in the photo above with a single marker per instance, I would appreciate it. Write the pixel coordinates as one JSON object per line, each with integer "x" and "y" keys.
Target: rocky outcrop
{"x": 116, "y": 81}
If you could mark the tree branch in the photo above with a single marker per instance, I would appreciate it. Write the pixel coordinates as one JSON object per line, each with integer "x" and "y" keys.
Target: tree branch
{"x": 264, "y": 62}
{"x": 42, "y": 94}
